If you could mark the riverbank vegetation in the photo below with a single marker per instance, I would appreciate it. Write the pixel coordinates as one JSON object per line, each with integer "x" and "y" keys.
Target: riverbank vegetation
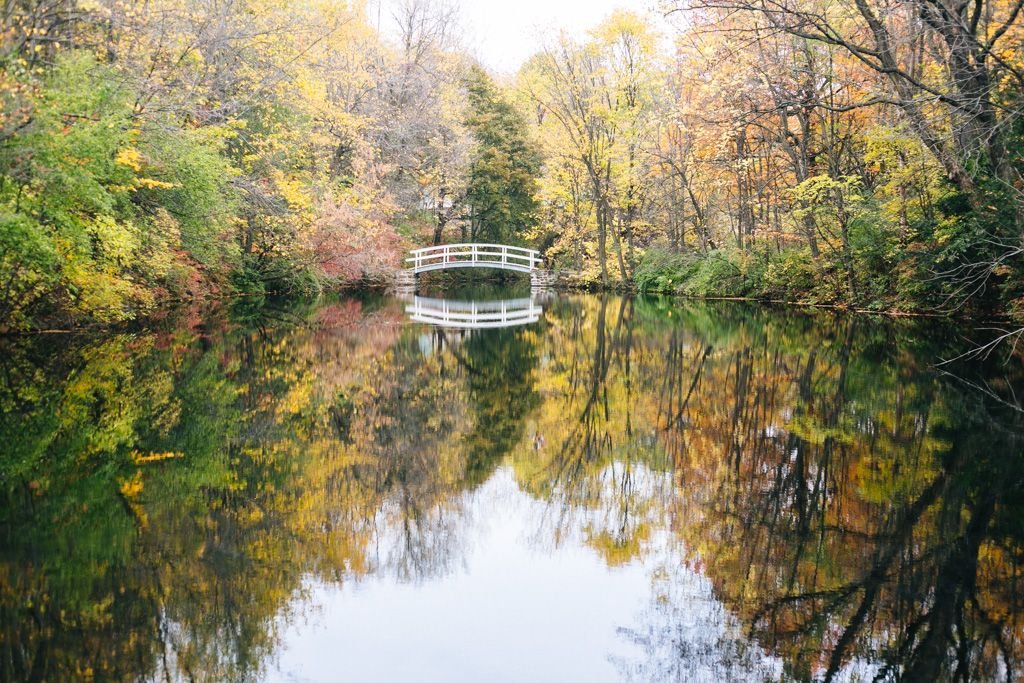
{"x": 857, "y": 154}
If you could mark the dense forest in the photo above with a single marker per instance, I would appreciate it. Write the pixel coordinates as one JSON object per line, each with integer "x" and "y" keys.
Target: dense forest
{"x": 865, "y": 153}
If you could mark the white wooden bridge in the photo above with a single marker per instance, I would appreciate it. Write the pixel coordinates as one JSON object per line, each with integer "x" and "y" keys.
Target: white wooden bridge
{"x": 501, "y": 256}
{"x": 474, "y": 315}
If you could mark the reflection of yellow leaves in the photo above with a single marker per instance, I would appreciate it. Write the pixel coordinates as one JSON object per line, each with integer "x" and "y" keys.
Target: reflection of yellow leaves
{"x": 139, "y": 458}
{"x": 98, "y": 613}
{"x": 298, "y": 398}
{"x": 131, "y": 488}
{"x": 618, "y": 549}
{"x": 91, "y": 6}
{"x": 814, "y": 432}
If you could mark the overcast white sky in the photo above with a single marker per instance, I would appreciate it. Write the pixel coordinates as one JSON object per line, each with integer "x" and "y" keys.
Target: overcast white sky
{"x": 504, "y": 33}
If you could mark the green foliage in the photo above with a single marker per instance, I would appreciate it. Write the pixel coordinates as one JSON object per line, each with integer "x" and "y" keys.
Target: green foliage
{"x": 248, "y": 280}
{"x": 662, "y": 270}
{"x": 942, "y": 259}
{"x": 502, "y": 188}
{"x": 791, "y": 273}
{"x": 166, "y": 153}
{"x": 720, "y": 274}
{"x": 101, "y": 210}
{"x": 194, "y": 188}
{"x": 727, "y": 273}
{"x": 28, "y": 259}
{"x": 67, "y": 188}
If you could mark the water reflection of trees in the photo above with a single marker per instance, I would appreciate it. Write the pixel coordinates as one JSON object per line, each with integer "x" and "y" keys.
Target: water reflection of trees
{"x": 599, "y": 462}
{"x": 849, "y": 522}
{"x": 688, "y": 635}
{"x": 840, "y": 507}
{"x": 169, "y": 493}
{"x": 854, "y": 515}
{"x": 848, "y": 505}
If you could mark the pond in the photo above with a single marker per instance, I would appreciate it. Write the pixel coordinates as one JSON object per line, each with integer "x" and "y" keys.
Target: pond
{"x": 558, "y": 488}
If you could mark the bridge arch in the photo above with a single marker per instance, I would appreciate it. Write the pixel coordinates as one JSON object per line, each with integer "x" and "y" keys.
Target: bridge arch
{"x": 473, "y": 255}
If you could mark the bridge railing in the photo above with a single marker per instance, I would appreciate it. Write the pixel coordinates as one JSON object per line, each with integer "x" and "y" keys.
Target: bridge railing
{"x": 474, "y": 256}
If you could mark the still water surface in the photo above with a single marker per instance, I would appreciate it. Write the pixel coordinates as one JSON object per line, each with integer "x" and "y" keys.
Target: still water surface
{"x": 606, "y": 489}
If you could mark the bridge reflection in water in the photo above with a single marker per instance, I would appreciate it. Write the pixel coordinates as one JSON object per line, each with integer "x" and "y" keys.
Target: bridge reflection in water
{"x": 474, "y": 315}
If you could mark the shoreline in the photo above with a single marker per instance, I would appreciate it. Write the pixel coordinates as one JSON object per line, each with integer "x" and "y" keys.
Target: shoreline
{"x": 387, "y": 289}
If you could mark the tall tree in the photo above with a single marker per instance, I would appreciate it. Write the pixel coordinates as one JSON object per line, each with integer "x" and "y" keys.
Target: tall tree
{"x": 502, "y": 186}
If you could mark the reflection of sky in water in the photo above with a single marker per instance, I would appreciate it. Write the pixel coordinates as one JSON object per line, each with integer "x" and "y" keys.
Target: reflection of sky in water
{"x": 513, "y": 609}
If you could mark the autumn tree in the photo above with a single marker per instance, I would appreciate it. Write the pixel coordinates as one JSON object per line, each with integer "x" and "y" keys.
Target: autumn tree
{"x": 597, "y": 98}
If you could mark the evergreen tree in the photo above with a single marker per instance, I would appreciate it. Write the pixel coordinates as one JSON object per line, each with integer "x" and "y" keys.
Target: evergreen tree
{"x": 501, "y": 195}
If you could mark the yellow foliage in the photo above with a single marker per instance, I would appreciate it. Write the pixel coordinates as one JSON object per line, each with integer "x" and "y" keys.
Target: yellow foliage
{"x": 131, "y": 158}
{"x": 140, "y": 458}
{"x": 131, "y": 488}
{"x": 153, "y": 184}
